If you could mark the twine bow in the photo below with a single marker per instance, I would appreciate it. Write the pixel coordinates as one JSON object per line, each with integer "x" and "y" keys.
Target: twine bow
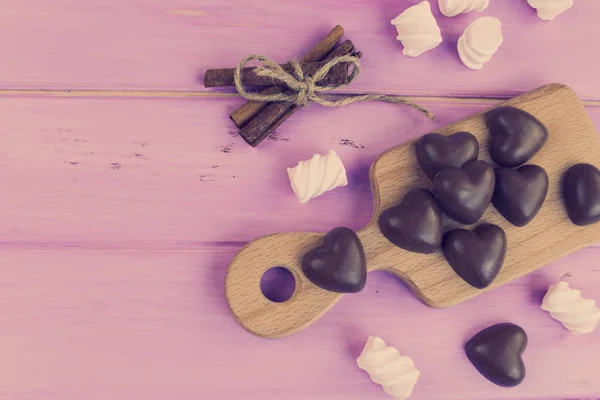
{"x": 305, "y": 89}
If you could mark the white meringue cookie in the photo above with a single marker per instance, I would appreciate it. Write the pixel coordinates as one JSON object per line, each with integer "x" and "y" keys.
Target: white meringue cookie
{"x": 451, "y": 8}
{"x": 549, "y": 9}
{"x": 576, "y": 313}
{"x": 395, "y": 373}
{"x": 312, "y": 178}
{"x": 480, "y": 41}
{"x": 417, "y": 29}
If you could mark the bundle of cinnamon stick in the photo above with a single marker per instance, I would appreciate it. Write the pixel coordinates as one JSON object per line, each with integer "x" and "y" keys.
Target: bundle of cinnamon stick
{"x": 256, "y": 120}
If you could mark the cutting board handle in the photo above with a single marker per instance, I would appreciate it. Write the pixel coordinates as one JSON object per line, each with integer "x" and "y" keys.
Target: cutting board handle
{"x": 256, "y": 313}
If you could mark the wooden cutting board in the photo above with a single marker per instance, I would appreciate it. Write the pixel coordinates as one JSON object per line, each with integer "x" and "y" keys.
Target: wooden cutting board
{"x": 549, "y": 236}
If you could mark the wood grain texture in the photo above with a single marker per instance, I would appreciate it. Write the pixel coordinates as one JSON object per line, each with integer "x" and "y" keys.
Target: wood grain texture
{"x": 96, "y": 325}
{"x": 550, "y": 236}
{"x": 122, "y": 204}
{"x": 74, "y": 160}
{"x": 117, "y": 232}
{"x": 168, "y": 44}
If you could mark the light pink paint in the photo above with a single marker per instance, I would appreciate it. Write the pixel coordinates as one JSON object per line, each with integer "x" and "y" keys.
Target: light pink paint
{"x": 123, "y": 173}
{"x": 112, "y": 283}
{"x": 99, "y": 324}
{"x": 120, "y": 215}
{"x": 167, "y": 44}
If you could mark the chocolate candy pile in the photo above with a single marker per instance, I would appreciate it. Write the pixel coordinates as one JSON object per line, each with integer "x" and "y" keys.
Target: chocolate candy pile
{"x": 463, "y": 188}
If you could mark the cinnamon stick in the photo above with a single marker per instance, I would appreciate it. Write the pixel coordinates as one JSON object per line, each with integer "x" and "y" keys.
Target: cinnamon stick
{"x": 274, "y": 114}
{"x": 242, "y": 115}
{"x": 338, "y": 75}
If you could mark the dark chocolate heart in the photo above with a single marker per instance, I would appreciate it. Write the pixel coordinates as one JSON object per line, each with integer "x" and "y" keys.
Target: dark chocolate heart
{"x": 520, "y": 193}
{"x": 496, "y": 353}
{"x": 436, "y": 151}
{"x": 477, "y": 255}
{"x": 339, "y": 264}
{"x": 516, "y": 135}
{"x": 582, "y": 194}
{"x": 415, "y": 224}
{"x": 464, "y": 193}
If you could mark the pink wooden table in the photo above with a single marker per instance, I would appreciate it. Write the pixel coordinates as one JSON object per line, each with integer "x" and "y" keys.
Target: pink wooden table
{"x": 125, "y": 196}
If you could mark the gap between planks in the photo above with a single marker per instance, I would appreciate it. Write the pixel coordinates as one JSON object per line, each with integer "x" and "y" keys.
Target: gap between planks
{"x": 98, "y": 247}
{"x": 167, "y": 94}
{"x": 141, "y": 249}
{"x": 216, "y": 250}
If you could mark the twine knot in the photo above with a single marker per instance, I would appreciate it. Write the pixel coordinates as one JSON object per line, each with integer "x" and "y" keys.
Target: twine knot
{"x": 304, "y": 89}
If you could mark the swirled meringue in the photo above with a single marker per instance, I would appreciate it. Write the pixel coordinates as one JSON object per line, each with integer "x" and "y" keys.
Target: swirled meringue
{"x": 417, "y": 29}
{"x": 451, "y": 8}
{"x": 550, "y": 9}
{"x": 395, "y": 373}
{"x": 480, "y": 41}
{"x": 567, "y": 305}
{"x": 312, "y": 178}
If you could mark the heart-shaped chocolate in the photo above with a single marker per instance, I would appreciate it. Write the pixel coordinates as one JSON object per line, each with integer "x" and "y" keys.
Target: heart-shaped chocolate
{"x": 339, "y": 264}
{"x": 516, "y": 135}
{"x": 496, "y": 353}
{"x": 415, "y": 224}
{"x": 520, "y": 193}
{"x": 582, "y": 194}
{"x": 477, "y": 255}
{"x": 436, "y": 151}
{"x": 464, "y": 193}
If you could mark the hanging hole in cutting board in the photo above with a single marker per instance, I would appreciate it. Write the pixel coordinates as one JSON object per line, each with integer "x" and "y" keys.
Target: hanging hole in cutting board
{"x": 278, "y": 284}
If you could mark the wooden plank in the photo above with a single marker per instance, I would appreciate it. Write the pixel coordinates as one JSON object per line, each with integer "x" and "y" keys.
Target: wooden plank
{"x": 113, "y": 276}
{"x": 133, "y": 173}
{"x": 167, "y": 44}
{"x": 95, "y": 325}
